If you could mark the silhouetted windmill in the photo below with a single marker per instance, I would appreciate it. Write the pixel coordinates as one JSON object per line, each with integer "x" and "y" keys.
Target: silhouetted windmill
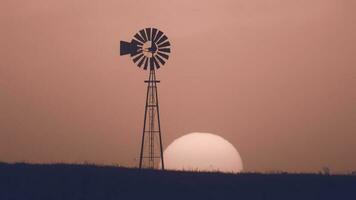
{"x": 149, "y": 48}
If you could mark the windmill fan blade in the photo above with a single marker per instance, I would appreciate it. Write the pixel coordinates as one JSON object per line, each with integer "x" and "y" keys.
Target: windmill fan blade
{"x": 166, "y": 44}
{"x": 164, "y": 38}
{"x": 148, "y": 31}
{"x": 143, "y": 34}
{"x": 160, "y": 59}
{"x": 167, "y": 50}
{"x": 159, "y": 34}
{"x": 137, "y": 36}
{"x": 155, "y": 62}
{"x": 163, "y": 55}
{"x": 154, "y": 32}
{"x": 134, "y": 53}
{"x": 141, "y": 61}
{"x": 137, "y": 58}
{"x": 136, "y": 42}
{"x": 146, "y": 64}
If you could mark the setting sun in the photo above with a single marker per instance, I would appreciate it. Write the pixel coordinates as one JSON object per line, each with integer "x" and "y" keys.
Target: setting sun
{"x": 202, "y": 152}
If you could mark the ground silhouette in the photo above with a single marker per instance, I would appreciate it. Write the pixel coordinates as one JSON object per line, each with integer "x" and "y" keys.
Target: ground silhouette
{"x": 88, "y": 182}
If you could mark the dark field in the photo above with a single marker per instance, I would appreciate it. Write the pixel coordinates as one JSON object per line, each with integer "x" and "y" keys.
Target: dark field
{"x": 67, "y": 182}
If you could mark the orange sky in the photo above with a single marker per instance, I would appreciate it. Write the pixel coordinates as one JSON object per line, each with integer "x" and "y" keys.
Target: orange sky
{"x": 276, "y": 78}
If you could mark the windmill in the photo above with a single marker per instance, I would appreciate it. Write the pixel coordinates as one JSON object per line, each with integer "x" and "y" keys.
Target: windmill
{"x": 149, "y": 50}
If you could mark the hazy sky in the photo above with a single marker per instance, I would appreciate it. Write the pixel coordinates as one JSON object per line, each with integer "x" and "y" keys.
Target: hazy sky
{"x": 276, "y": 78}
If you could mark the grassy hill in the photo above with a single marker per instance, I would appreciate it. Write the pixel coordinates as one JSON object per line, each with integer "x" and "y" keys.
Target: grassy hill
{"x": 87, "y": 182}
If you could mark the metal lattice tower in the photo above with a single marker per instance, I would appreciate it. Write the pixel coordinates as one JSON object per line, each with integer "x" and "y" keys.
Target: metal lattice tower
{"x": 150, "y": 155}
{"x": 149, "y": 48}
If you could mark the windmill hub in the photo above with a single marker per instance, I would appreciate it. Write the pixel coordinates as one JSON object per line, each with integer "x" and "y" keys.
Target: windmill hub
{"x": 149, "y": 49}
